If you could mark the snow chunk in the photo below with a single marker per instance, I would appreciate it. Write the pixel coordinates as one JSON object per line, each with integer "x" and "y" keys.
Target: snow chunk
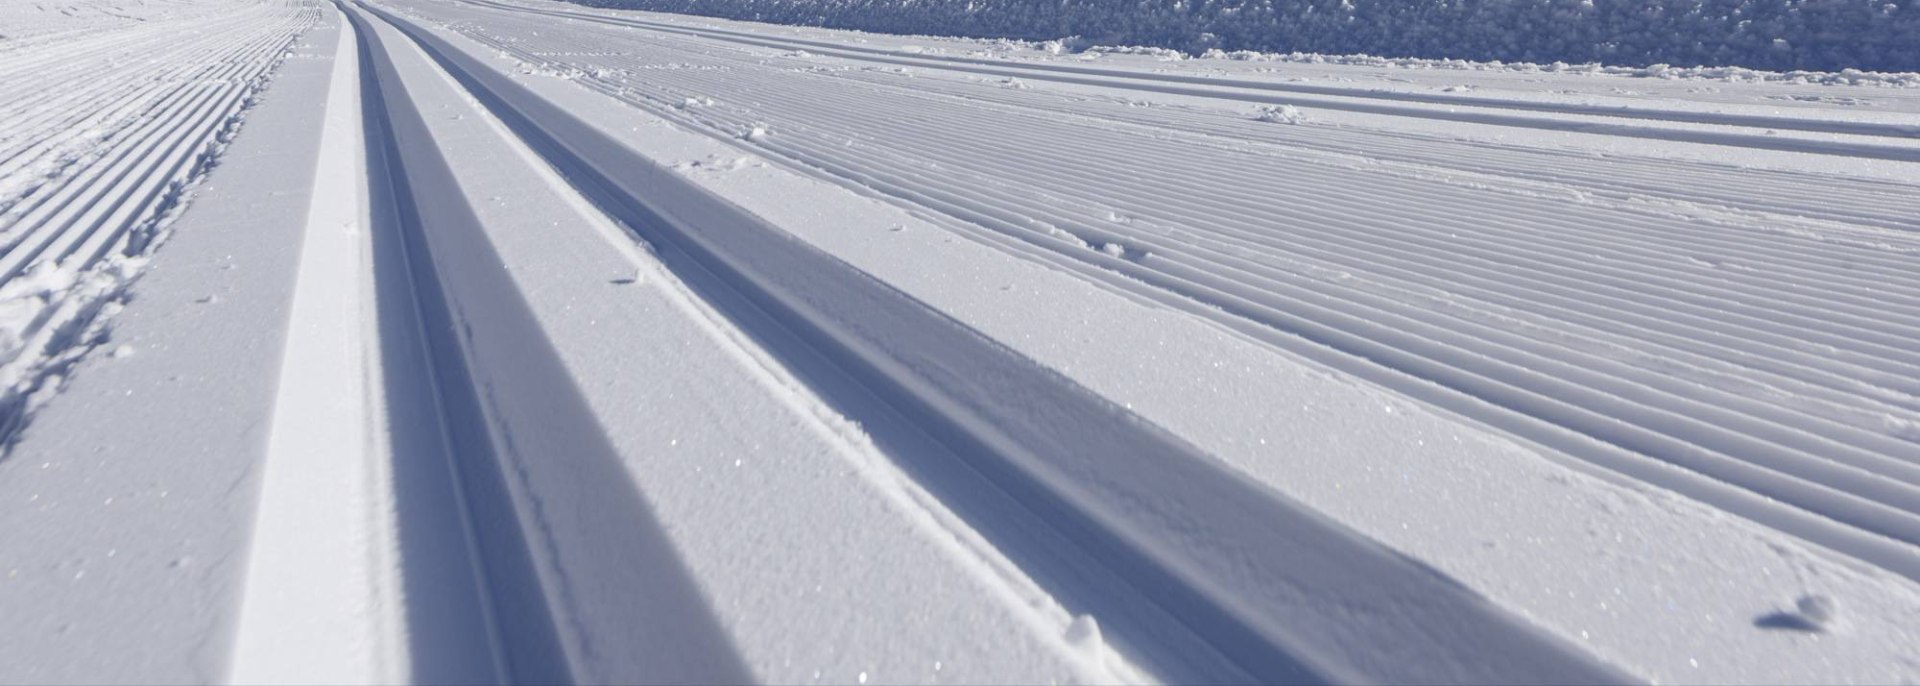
{"x": 40, "y": 280}
{"x": 1063, "y": 46}
{"x": 720, "y": 163}
{"x": 1084, "y": 633}
{"x": 1818, "y": 609}
{"x": 1811, "y": 613}
{"x": 1282, "y": 114}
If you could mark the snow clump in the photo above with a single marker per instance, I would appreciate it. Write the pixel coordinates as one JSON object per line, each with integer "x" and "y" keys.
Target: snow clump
{"x": 1280, "y": 114}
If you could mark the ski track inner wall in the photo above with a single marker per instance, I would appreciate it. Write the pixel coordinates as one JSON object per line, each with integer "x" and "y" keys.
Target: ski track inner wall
{"x": 1822, "y": 35}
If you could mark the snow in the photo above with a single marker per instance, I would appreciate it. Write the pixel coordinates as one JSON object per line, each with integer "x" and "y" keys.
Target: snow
{"x": 322, "y": 473}
{"x": 1845, "y": 76}
{"x": 126, "y": 502}
{"x": 93, "y": 173}
{"x": 1817, "y": 609}
{"x": 42, "y": 21}
{"x": 558, "y": 344}
{"x": 1282, "y": 114}
{"x": 1650, "y": 636}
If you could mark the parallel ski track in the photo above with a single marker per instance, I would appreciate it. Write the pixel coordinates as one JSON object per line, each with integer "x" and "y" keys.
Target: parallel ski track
{"x": 123, "y": 122}
{"x": 889, "y": 360}
{"x": 1865, "y": 202}
{"x": 1871, "y": 139}
{"x": 1761, "y": 351}
{"x": 1812, "y": 124}
{"x": 90, "y": 85}
{"x": 1841, "y": 199}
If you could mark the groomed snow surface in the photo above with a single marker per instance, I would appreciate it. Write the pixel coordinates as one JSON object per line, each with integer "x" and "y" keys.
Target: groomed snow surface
{"x": 472, "y": 341}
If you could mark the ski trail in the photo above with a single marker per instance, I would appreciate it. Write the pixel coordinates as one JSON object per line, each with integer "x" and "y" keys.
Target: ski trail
{"x": 94, "y": 174}
{"x": 319, "y": 602}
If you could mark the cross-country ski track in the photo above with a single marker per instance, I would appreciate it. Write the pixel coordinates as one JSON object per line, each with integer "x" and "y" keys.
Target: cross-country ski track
{"x": 476, "y": 341}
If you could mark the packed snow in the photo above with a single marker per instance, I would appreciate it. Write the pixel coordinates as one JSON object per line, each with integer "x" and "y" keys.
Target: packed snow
{"x": 498, "y": 341}
{"x": 127, "y": 114}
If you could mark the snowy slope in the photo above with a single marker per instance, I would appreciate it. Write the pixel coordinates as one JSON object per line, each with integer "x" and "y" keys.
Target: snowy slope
{"x": 582, "y": 345}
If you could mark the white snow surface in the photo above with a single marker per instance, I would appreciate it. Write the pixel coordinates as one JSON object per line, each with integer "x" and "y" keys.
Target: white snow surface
{"x": 616, "y": 346}
{"x": 115, "y": 109}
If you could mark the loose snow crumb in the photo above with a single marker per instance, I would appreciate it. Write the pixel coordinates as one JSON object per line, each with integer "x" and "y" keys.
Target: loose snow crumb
{"x": 1065, "y": 235}
{"x": 1902, "y": 428}
{"x": 716, "y": 163}
{"x": 1818, "y": 610}
{"x": 1062, "y": 46}
{"x": 1084, "y": 632}
{"x": 1812, "y": 613}
{"x": 1283, "y": 114}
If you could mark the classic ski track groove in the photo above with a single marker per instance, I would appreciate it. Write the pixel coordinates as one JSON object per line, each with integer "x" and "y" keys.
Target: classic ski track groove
{"x": 1651, "y": 329}
{"x": 1030, "y": 472}
{"x": 1775, "y": 381}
